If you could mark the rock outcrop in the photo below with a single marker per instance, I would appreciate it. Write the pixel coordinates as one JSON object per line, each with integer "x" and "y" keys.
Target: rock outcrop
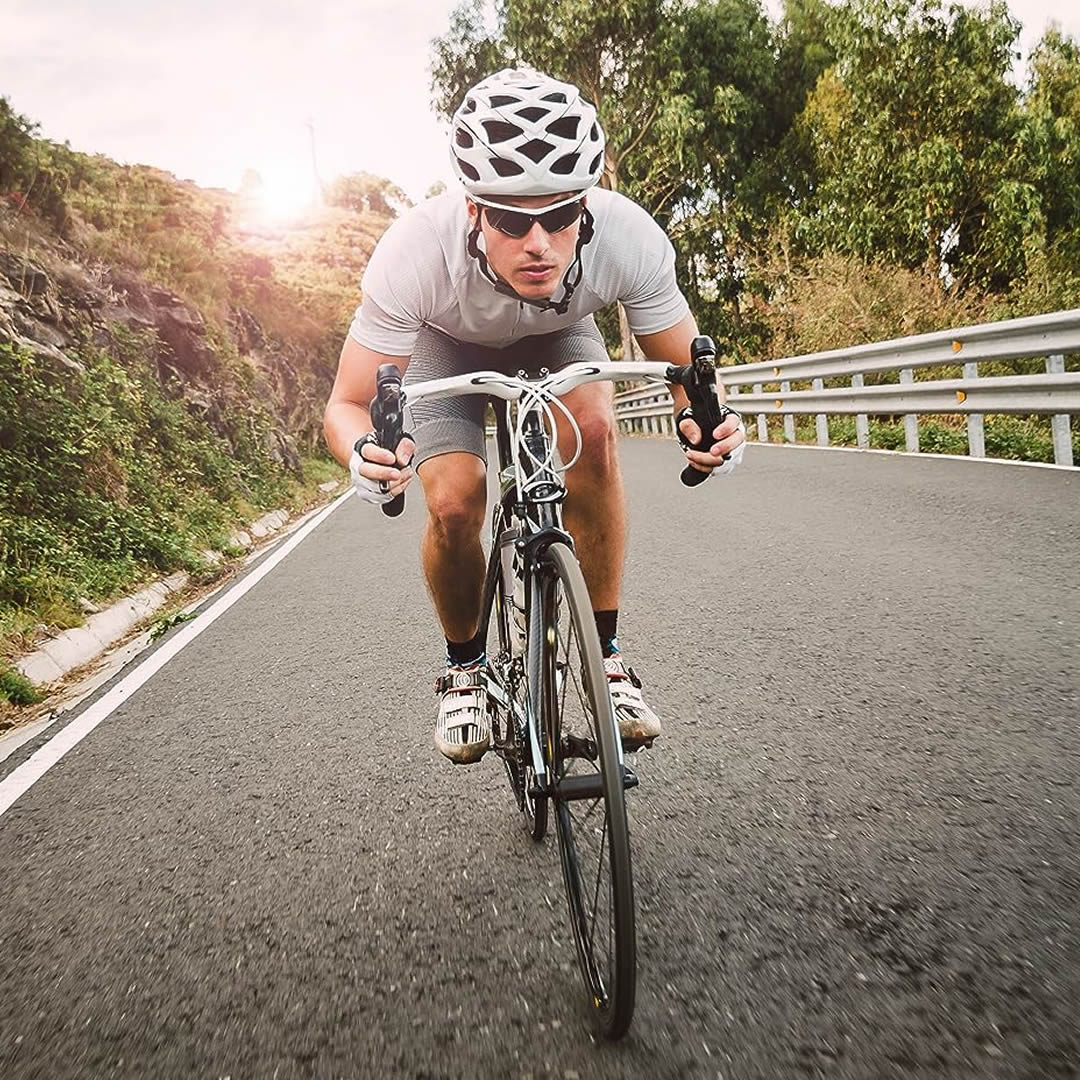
{"x": 50, "y": 309}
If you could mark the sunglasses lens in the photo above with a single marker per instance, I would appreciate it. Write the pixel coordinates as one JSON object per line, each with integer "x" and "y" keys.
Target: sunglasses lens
{"x": 556, "y": 220}
{"x": 509, "y": 221}
{"x": 516, "y": 224}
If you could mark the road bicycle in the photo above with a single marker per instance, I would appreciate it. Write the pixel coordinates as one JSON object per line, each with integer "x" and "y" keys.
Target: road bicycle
{"x": 552, "y": 720}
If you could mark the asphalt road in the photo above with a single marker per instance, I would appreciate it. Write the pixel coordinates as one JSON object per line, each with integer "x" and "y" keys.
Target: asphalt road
{"x": 856, "y": 845}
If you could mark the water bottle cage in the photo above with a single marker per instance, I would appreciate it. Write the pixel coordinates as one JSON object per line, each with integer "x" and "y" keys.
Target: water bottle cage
{"x": 720, "y": 414}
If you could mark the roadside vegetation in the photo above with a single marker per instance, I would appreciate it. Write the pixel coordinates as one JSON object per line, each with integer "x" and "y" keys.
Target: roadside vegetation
{"x": 165, "y": 353}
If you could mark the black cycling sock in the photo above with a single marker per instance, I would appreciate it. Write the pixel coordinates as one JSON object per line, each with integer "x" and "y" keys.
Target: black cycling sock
{"x": 464, "y": 653}
{"x": 606, "y": 626}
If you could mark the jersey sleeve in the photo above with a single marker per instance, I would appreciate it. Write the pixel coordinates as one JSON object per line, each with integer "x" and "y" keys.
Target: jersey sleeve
{"x": 646, "y": 269}
{"x": 395, "y": 290}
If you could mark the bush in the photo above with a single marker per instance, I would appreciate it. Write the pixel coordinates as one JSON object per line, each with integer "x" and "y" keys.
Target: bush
{"x": 106, "y": 479}
{"x": 16, "y": 688}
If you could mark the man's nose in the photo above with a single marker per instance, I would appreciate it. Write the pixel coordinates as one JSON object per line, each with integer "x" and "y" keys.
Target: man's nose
{"x": 536, "y": 239}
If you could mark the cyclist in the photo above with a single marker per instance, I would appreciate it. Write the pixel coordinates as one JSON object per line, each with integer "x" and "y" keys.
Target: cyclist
{"x": 508, "y": 278}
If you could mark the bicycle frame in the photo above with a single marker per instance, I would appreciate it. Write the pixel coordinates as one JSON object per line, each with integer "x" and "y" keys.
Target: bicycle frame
{"x": 531, "y": 491}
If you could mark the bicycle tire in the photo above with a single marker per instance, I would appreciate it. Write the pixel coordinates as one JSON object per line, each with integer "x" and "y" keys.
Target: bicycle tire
{"x": 578, "y": 720}
{"x": 533, "y": 809}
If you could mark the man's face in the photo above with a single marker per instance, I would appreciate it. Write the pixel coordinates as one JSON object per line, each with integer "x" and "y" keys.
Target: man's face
{"x": 534, "y": 264}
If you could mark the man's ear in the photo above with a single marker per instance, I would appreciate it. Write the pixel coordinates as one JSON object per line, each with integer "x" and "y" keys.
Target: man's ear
{"x": 473, "y": 210}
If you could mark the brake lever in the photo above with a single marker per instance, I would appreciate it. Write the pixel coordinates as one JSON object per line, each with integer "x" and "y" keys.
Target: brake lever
{"x": 386, "y": 416}
{"x": 698, "y": 379}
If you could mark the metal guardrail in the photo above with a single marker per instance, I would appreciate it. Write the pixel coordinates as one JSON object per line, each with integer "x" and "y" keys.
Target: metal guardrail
{"x": 1056, "y": 391}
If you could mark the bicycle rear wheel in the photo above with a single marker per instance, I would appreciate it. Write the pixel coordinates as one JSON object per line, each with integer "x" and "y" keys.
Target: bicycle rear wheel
{"x": 588, "y": 786}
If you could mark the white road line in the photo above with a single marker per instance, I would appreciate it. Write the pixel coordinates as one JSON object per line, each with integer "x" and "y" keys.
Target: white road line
{"x": 30, "y": 771}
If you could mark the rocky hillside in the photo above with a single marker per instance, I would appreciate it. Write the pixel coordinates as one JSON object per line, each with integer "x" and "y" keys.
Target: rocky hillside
{"x": 165, "y": 354}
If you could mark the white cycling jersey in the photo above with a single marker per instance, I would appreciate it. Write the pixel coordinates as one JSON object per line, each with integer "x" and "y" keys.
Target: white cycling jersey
{"x": 421, "y": 274}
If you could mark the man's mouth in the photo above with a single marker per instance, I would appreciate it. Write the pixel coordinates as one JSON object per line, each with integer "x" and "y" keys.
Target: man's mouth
{"x": 535, "y": 273}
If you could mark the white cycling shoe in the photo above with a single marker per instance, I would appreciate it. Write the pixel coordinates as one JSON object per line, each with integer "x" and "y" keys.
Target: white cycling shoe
{"x": 463, "y": 730}
{"x": 638, "y": 724}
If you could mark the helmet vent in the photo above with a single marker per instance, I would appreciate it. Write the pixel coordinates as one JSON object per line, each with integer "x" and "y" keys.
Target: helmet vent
{"x": 506, "y": 168}
{"x": 504, "y": 99}
{"x": 499, "y": 130}
{"x": 532, "y": 113}
{"x": 559, "y": 97}
{"x": 565, "y": 165}
{"x": 564, "y": 128}
{"x": 463, "y": 138}
{"x": 467, "y": 169}
{"x": 469, "y": 106}
{"x": 536, "y": 150}
{"x": 595, "y": 163}
{"x": 595, "y": 133}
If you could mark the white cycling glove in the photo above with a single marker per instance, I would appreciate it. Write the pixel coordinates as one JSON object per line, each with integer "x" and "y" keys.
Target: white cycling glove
{"x": 371, "y": 491}
{"x": 734, "y": 458}
{"x": 736, "y": 455}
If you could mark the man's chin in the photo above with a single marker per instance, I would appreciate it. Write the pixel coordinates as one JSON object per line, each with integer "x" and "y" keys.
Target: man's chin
{"x": 531, "y": 290}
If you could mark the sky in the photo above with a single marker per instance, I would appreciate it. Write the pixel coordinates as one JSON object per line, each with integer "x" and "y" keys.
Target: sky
{"x": 209, "y": 88}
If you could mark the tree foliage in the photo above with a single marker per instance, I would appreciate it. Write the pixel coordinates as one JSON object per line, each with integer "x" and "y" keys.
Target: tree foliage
{"x": 888, "y": 131}
{"x": 914, "y": 131}
{"x": 367, "y": 193}
{"x": 685, "y": 90}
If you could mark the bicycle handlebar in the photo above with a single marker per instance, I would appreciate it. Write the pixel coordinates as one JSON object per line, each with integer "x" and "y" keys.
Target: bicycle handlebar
{"x": 698, "y": 379}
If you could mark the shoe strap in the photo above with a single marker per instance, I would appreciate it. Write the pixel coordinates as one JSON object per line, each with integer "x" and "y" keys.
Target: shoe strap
{"x": 617, "y": 671}
{"x": 463, "y": 681}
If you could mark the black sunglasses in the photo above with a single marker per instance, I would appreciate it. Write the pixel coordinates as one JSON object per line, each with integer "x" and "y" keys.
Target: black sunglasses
{"x": 517, "y": 223}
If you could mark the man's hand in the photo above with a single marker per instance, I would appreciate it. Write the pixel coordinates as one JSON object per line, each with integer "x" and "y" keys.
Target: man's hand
{"x": 729, "y": 439}
{"x": 377, "y": 474}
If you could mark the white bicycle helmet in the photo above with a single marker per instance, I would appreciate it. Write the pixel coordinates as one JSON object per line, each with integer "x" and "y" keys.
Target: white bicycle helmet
{"x": 519, "y": 132}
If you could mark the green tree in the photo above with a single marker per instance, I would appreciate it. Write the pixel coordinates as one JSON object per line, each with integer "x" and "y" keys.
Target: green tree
{"x": 915, "y": 140}
{"x": 1053, "y": 111}
{"x": 367, "y": 193}
{"x": 677, "y": 83}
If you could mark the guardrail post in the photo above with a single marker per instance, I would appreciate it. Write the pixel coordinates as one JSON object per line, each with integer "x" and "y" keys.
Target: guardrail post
{"x": 976, "y": 439}
{"x": 789, "y": 419}
{"x": 1059, "y": 423}
{"x": 762, "y": 424}
{"x": 821, "y": 420}
{"x": 862, "y": 421}
{"x": 911, "y": 421}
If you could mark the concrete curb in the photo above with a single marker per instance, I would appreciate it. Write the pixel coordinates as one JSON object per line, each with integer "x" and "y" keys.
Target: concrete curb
{"x": 78, "y": 646}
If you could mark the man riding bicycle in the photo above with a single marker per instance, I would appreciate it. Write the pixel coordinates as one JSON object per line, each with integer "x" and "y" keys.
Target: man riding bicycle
{"x": 508, "y": 279}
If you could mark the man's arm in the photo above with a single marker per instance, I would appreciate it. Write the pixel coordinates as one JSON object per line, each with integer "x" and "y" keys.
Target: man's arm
{"x": 347, "y": 415}
{"x": 672, "y": 346}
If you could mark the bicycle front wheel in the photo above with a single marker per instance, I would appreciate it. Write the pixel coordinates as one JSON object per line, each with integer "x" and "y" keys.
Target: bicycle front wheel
{"x": 588, "y": 791}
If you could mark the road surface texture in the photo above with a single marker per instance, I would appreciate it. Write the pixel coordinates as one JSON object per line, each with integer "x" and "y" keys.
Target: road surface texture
{"x": 856, "y": 845}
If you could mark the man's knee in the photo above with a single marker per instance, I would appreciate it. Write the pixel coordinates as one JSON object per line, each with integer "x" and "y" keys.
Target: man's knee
{"x": 455, "y": 490}
{"x": 598, "y": 437}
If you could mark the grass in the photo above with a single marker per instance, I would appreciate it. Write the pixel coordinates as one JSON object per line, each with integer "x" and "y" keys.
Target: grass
{"x": 20, "y": 626}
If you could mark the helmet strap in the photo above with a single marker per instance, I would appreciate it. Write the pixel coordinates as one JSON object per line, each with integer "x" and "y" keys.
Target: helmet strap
{"x": 571, "y": 279}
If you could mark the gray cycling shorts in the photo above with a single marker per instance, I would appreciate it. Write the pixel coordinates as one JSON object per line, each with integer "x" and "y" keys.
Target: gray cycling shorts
{"x": 457, "y": 424}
